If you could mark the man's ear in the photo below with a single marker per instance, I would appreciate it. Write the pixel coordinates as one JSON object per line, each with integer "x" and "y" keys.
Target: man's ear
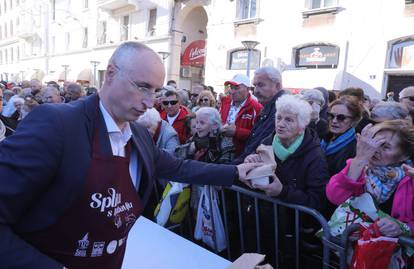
{"x": 110, "y": 73}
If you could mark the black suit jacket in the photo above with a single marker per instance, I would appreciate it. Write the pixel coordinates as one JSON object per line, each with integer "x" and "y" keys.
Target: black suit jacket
{"x": 43, "y": 167}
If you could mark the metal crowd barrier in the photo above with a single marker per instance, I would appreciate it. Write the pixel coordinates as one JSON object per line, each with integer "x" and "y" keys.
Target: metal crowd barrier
{"x": 336, "y": 247}
{"x": 328, "y": 242}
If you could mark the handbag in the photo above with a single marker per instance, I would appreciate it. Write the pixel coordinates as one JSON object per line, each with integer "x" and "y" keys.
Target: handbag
{"x": 209, "y": 226}
{"x": 174, "y": 204}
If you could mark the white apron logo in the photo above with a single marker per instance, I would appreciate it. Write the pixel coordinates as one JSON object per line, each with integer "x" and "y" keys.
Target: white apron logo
{"x": 110, "y": 204}
{"x": 82, "y": 246}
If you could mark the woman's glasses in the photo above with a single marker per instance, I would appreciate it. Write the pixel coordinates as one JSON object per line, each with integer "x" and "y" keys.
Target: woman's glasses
{"x": 172, "y": 102}
{"x": 205, "y": 100}
{"x": 339, "y": 117}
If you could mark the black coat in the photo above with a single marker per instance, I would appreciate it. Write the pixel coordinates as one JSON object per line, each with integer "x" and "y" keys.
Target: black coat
{"x": 304, "y": 174}
{"x": 337, "y": 161}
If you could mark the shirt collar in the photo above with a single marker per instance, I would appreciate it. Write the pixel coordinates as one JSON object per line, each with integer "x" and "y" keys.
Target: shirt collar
{"x": 111, "y": 125}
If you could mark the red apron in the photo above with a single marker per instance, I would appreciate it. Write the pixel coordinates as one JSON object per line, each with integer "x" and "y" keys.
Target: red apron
{"x": 92, "y": 232}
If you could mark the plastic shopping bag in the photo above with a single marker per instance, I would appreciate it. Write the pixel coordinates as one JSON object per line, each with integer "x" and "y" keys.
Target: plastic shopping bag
{"x": 372, "y": 250}
{"x": 209, "y": 226}
{"x": 174, "y": 204}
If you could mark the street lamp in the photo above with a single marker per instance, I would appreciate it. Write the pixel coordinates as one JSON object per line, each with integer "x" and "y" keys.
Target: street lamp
{"x": 164, "y": 55}
{"x": 95, "y": 64}
{"x": 66, "y": 70}
{"x": 249, "y": 45}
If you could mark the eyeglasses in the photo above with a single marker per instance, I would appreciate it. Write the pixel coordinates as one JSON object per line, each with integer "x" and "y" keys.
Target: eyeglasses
{"x": 205, "y": 100}
{"x": 339, "y": 117}
{"x": 172, "y": 102}
{"x": 144, "y": 89}
{"x": 410, "y": 97}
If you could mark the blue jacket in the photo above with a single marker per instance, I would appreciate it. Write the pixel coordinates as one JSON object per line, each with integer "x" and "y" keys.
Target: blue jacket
{"x": 263, "y": 127}
{"x": 43, "y": 167}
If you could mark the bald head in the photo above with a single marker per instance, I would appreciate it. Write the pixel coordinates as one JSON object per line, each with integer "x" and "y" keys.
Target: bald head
{"x": 133, "y": 73}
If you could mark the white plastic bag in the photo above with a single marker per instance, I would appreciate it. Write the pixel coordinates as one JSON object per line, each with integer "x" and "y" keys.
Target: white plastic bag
{"x": 208, "y": 212}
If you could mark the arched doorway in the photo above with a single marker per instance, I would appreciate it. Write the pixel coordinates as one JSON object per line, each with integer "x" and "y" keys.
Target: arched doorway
{"x": 194, "y": 36}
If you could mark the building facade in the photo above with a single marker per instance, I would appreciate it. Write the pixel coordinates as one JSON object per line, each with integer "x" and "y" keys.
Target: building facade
{"x": 330, "y": 43}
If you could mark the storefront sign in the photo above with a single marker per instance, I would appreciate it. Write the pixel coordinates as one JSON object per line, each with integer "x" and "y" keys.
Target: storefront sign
{"x": 194, "y": 54}
{"x": 238, "y": 59}
{"x": 324, "y": 56}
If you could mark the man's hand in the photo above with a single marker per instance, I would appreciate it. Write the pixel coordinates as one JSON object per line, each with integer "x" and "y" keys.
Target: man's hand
{"x": 229, "y": 130}
{"x": 253, "y": 158}
{"x": 389, "y": 228}
{"x": 273, "y": 189}
{"x": 244, "y": 169}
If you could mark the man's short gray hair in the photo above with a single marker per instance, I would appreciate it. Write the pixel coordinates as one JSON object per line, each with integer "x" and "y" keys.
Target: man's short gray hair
{"x": 295, "y": 105}
{"x": 403, "y": 92}
{"x": 212, "y": 113}
{"x": 389, "y": 110}
{"x": 272, "y": 73}
{"x": 314, "y": 96}
{"x": 183, "y": 97}
{"x": 151, "y": 117}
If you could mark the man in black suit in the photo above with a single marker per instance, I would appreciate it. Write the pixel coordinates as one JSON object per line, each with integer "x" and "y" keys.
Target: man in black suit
{"x": 75, "y": 177}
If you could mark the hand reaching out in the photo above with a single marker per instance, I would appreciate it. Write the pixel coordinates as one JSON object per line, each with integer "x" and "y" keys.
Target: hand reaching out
{"x": 273, "y": 189}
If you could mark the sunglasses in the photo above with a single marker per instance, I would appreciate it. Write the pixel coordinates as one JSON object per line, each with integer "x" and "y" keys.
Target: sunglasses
{"x": 173, "y": 102}
{"x": 205, "y": 100}
{"x": 339, "y": 117}
{"x": 411, "y": 98}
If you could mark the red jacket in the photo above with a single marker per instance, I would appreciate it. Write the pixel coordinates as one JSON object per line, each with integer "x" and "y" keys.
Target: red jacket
{"x": 179, "y": 124}
{"x": 245, "y": 119}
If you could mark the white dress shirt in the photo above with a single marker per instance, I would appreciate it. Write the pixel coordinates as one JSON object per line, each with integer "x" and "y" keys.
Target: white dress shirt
{"x": 119, "y": 139}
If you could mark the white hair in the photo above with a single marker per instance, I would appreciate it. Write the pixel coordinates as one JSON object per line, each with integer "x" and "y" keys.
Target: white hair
{"x": 314, "y": 96}
{"x": 403, "y": 92}
{"x": 390, "y": 110}
{"x": 295, "y": 105}
{"x": 151, "y": 117}
{"x": 272, "y": 73}
{"x": 212, "y": 113}
{"x": 18, "y": 100}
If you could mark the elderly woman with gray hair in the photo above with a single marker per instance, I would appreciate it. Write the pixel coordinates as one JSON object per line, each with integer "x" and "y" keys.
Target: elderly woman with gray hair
{"x": 302, "y": 171}
{"x": 163, "y": 134}
{"x": 316, "y": 99}
{"x": 389, "y": 111}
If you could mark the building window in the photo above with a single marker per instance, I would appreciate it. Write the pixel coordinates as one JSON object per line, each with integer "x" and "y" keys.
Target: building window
{"x": 238, "y": 59}
{"x": 152, "y": 21}
{"x": 6, "y": 56}
{"x": 85, "y": 38}
{"x": 85, "y": 3}
{"x": 11, "y": 55}
{"x": 53, "y": 45}
{"x": 101, "y": 33}
{"x": 1, "y": 33}
{"x": 314, "y": 4}
{"x": 5, "y": 6}
{"x": 124, "y": 27}
{"x": 11, "y": 28}
{"x": 53, "y": 10}
{"x": 401, "y": 54}
{"x": 5, "y": 30}
{"x": 1, "y": 57}
{"x": 317, "y": 56}
{"x": 246, "y": 9}
{"x": 18, "y": 53}
{"x": 67, "y": 40}
{"x": 11, "y": 4}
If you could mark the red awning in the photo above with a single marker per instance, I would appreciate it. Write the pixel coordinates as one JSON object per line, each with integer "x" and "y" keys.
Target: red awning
{"x": 194, "y": 54}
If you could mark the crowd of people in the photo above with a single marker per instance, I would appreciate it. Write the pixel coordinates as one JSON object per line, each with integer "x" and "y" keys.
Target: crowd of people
{"x": 328, "y": 145}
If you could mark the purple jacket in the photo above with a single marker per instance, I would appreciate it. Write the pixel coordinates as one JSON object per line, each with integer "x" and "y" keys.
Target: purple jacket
{"x": 341, "y": 187}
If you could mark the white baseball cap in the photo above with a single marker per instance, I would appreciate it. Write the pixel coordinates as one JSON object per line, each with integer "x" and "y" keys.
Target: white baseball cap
{"x": 239, "y": 79}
